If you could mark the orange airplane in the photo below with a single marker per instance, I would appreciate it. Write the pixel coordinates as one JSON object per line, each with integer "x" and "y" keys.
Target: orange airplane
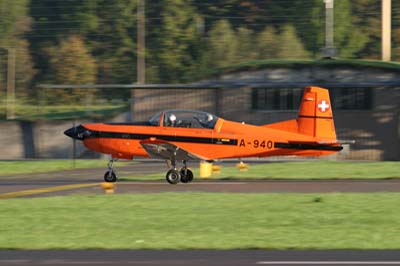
{"x": 184, "y": 135}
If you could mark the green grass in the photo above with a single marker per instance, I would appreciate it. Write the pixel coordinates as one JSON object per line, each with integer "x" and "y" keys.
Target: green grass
{"x": 202, "y": 221}
{"x": 302, "y": 170}
{"x": 58, "y": 112}
{"x": 42, "y": 166}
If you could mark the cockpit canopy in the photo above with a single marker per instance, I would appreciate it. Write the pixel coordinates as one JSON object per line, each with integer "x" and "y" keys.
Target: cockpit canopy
{"x": 184, "y": 118}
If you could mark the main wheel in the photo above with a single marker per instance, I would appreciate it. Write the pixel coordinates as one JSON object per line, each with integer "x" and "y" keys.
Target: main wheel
{"x": 173, "y": 177}
{"x": 186, "y": 177}
{"x": 110, "y": 176}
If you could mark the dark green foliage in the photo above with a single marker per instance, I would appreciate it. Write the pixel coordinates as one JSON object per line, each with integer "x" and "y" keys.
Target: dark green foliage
{"x": 176, "y": 40}
{"x": 185, "y": 39}
{"x": 14, "y": 24}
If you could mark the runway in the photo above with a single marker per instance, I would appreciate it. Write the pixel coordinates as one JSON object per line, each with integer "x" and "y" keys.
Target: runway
{"x": 31, "y": 188}
{"x": 87, "y": 181}
{"x": 199, "y": 257}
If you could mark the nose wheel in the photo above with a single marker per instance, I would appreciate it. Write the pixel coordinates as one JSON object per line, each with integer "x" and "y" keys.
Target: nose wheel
{"x": 110, "y": 175}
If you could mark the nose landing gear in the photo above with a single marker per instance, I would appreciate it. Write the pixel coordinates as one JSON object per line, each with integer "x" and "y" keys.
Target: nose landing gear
{"x": 110, "y": 175}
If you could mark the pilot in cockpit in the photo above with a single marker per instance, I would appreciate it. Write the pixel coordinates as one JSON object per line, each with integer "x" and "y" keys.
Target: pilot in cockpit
{"x": 171, "y": 121}
{"x": 205, "y": 120}
{"x": 209, "y": 118}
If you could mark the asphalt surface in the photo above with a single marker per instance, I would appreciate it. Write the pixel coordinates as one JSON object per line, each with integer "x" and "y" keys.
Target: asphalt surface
{"x": 87, "y": 181}
{"x": 199, "y": 257}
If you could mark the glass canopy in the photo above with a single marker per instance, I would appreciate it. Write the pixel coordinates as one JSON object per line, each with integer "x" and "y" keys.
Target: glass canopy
{"x": 185, "y": 119}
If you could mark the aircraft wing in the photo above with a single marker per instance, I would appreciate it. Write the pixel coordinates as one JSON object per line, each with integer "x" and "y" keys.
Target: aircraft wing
{"x": 164, "y": 150}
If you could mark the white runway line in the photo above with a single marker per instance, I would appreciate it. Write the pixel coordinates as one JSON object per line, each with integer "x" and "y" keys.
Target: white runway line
{"x": 328, "y": 262}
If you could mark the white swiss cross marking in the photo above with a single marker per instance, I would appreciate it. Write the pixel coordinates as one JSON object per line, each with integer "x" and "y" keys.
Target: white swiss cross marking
{"x": 323, "y": 106}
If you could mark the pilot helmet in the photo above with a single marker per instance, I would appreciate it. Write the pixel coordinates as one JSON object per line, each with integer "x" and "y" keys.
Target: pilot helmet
{"x": 172, "y": 118}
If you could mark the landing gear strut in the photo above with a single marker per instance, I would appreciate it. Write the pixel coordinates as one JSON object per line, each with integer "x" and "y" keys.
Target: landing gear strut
{"x": 110, "y": 175}
{"x": 186, "y": 174}
{"x": 174, "y": 176}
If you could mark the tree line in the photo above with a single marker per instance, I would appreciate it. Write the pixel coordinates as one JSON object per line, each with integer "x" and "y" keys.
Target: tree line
{"x": 94, "y": 41}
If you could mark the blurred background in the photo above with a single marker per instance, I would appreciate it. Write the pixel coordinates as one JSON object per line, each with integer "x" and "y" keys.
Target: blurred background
{"x": 66, "y": 62}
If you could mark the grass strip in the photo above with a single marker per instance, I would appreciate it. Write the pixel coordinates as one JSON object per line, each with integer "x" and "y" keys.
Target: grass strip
{"x": 43, "y": 166}
{"x": 202, "y": 221}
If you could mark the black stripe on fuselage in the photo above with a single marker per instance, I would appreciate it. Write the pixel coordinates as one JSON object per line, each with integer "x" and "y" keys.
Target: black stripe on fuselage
{"x": 119, "y": 135}
{"x": 317, "y": 117}
{"x": 299, "y": 146}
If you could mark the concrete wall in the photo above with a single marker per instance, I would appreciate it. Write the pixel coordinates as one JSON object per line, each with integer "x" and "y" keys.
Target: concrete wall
{"x": 11, "y": 141}
{"x": 36, "y": 140}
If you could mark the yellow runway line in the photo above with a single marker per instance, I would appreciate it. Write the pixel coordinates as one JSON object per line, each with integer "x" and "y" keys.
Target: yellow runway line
{"x": 44, "y": 190}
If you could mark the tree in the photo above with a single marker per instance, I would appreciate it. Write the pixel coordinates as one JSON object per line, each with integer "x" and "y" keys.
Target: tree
{"x": 71, "y": 63}
{"x": 366, "y": 17}
{"x": 54, "y": 21}
{"x": 267, "y": 43}
{"x": 396, "y": 31}
{"x": 176, "y": 41}
{"x": 310, "y": 24}
{"x": 113, "y": 42}
{"x": 348, "y": 39}
{"x": 14, "y": 24}
{"x": 222, "y": 45}
{"x": 59, "y": 19}
{"x": 246, "y": 48}
{"x": 290, "y": 46}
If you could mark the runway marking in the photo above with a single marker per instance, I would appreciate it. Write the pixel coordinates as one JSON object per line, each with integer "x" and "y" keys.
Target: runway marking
{"x": 329, "y": 262}
{"x": 44, "y": 190}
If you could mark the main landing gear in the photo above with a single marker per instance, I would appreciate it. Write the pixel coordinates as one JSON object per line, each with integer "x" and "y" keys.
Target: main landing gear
{"x": 110, "y": 175}
{"x": 174, "y": 176}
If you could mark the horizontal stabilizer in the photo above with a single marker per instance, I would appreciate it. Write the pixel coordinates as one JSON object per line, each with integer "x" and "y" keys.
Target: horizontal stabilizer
{"x": 308, "y": 146}
{"x": 351, "y": 141}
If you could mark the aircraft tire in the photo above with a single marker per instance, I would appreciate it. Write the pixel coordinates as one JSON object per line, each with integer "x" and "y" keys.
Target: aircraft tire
{"x": 110, "y": 177}
{"x": 188, "y": 177}
{"x": 173, "y": 177}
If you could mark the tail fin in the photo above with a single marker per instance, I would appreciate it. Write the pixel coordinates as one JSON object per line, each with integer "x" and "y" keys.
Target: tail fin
{"x": 315, "y": 114}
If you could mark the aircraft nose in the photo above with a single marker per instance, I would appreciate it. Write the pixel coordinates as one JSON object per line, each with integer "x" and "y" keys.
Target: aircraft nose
{"x": 78, "y": 132}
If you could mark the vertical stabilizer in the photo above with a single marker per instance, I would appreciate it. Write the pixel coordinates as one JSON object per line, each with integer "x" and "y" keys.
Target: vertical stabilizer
{"x": 315, "y": 114}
